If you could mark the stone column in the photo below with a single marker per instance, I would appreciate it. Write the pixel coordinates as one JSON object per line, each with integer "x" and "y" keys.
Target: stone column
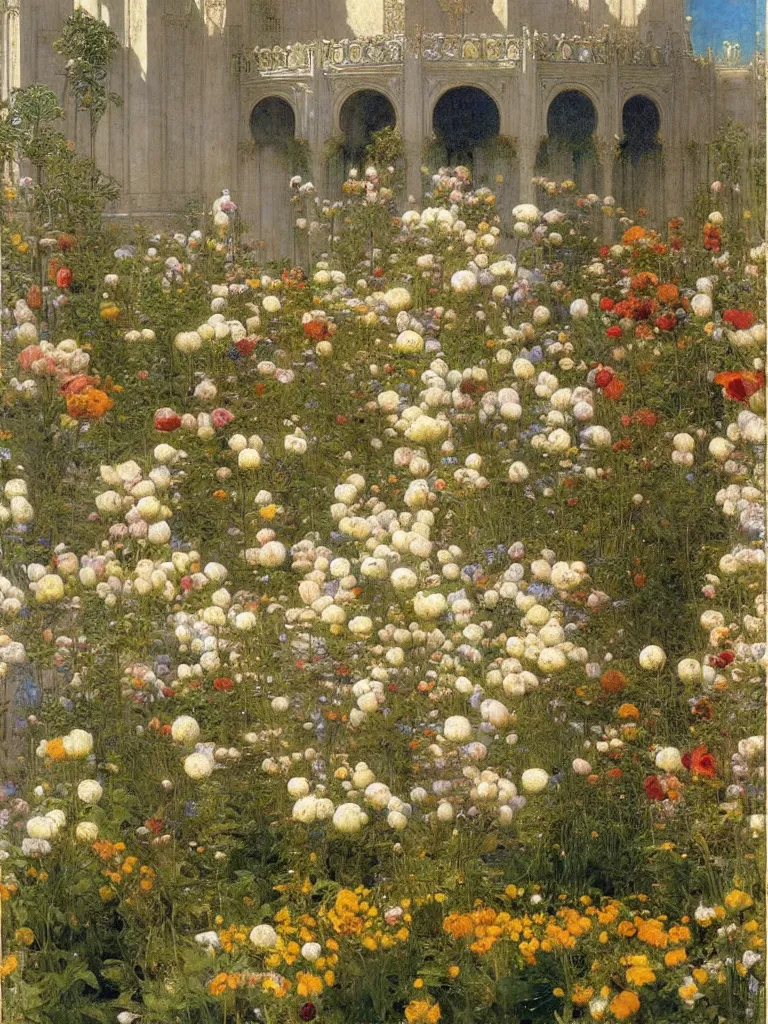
{"x": 218, "y": 143}
{"x": 319, "y": 128}
{"x": 528, "y": 127}
{"x": 136, "y": 99}
{"x": 414, "y": 129}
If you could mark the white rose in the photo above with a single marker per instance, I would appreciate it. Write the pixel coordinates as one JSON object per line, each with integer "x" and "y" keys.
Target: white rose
{"x": 89, "y": 791}
{"x": 198, "y": 766}
{"x": 78, "y": 743}
{"x": 348, "y": 818}
{"x": 668, "y": 759}
{"x": 652, "y": 658}
{"x": 534, "y": 780}
{"x": 701, "y": 304}
{"x": 263, "y": 936}
{"x": 87, "y": 832}
{"x": 49, "y": 589}
{"x": 457, "y": 729}
{"x": 185, "y": 730}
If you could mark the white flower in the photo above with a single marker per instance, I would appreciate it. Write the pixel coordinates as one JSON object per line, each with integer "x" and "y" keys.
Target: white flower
{"x": 263, "y": 936}
{"x": 305, "y": 810}
{"x": 49, "y": 589}
{"x": 185, "y": 730}
{"x": 526, "y": 212}
{"x": 21, "y": 510}
{"x": 668, "y": 759}
{"x": 397, "y": 299}
{"x": 89, "y": 791}
{"x": 271, "y": 304}
{"x": 652, "y": 658}
{"x": 198, "y": 766}
{"x": 78, "y": 743}
{"x": 581, "y": 767}
{"x": 409, "y": 343}
{"x": 457, "y": 729}
{"x": 311, "y": 951}
{"x": 429, "y": 606}
{"x": 688, "y": 670}
{"x": 579, "y": 309}
{"x": 248, "y": 458}
{"x": 701, "y": 304}
{"x": 297, "y": 787}
{"x": 208, "y": 939}
{"x": 41, "y": 828}
{"x": 348, "y": 818}
{"x": 534, "y": 780}
{"x": 87, "y": 832}
{"x": 463, "y": 282}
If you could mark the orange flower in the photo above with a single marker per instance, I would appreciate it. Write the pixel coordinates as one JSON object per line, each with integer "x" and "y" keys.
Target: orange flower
{"x": 667, "y": 293}
{"x": 8, "y": 965}
{"x": 624, "y": 1004}
{"x": 582, "y": 994}
{"x": 612, "y": 681}
{"x": 55, "y": 749}
{"x": 675, "y": 957}
{"x": 633, "y": 234}
{"x": 640, "y": 975}
{"x": 628, "y": 711}
{"x": 420, "y": 1011}
{"x": 89, "y": 404}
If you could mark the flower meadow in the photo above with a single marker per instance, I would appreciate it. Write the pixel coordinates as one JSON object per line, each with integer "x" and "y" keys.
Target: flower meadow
{"x": 382, "y": 636}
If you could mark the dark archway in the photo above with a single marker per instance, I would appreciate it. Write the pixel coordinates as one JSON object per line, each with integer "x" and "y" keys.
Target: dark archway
{"x": 273, "y": 129}
{"x": 641, "y": 123}
{"x": 272, "y": 121}
{"x": 463, "y": 119}
{"x": 362, "y": 115}
{"x": 639, "y": 168}
{"x": 569, "y": 148}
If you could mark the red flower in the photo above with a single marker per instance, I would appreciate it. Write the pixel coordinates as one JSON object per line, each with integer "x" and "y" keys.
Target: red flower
{"x": 155, "y": 825}
{"x": 614, "y": 332}
{"x": 307, "y": 1011}
{"x": 317, "y": 330}
{"x": 614, "y": 390}
{"x": 646, "y": 418}
{"x": 667, "y": 322}
{"x": 245, "y": 346}
{"x": 66, "y": 242}
{"x": 221, "y": 417}
{"x": 607, "y": 304}
{"x": 223, "y": 684}
{"x": 63, "y": 277}
{"x": 604, "y": 377}
{"x": 701, "y": 762}
{"x": 739, "y": 319}
{"x": 722, "y": 660}
{"x": 605, "y": 252}
{"x": 652, "y": 788}
{"x": 167, "y": 420}
{"x": 740, "y": 385}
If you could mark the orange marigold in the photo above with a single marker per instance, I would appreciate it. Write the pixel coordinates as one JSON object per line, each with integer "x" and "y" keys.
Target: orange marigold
{"x": 90, "y": 404}
{"x": 633, "y": 234}
{"x": 624, "y": 1004}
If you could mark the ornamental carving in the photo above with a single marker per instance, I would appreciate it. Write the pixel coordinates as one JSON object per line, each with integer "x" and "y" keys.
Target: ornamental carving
{"x": 375, "y": 52}
{"x": 624, "y": 49}
{"x": 489, "y": 49}
{"x": 266, "y": 60}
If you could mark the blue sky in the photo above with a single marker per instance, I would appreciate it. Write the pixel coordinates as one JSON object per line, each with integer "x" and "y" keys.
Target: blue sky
{"x": 716, "y": 20}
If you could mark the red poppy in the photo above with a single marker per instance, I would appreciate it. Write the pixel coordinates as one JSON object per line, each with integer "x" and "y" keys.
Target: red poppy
{"x": 606, "y": 304}
{"x": 739, "y": 319}
{"x": 66, "y": 242}
{"x": 701, "y": 762}
{"x": 712, "y": 238}
{"x": 245, "y": 346}
{"x": 155, "y": 825}
{"x": 223, "y": 684}
{"x": 652, "y": 788}
{"x": 63, "y": 277}
{"x": 316, "y": 329}
{"x": 605, "y": 252}
{"x": 604, "y": 377}
{"x": 34, "y": 297}
{"x": 646, "y": 418}
{"x": 740, "y": 385}
{"x": 667, "y": 322}
{"x": 167, "y": 420}
{"x": 307, "y": 1011}
{"x": 722, "y": 660}
{"x": 614, "y": 390}
{"x": 614, "y": 332}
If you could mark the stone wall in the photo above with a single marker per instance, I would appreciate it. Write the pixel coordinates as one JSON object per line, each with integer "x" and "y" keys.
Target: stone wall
{"x": 192, "y": 71}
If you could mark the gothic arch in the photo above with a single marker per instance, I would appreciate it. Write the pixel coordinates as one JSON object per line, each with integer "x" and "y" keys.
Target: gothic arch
{"x": 272, "y": 119}
{"x": 639, "y": 168}
{"x": 568, "y": 149}
{"x": 362, "y": 113}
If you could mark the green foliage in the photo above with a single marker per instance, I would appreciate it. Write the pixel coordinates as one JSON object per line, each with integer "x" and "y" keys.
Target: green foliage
{"x": 90, "y": 47}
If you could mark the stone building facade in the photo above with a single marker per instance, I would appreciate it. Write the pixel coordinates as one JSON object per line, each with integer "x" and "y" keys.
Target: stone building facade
{"x": 237, "y": 93}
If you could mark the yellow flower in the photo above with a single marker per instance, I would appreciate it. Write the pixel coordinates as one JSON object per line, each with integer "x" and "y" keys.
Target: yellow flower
{"x": 738, "y": 900}
{"x": 700, "y": 975}
{"x": 8, "y": 965}
{"x": 420, "y": 1011}
{"x": 308, "y": 984}
{"x": 25, "y": 936}
{"x": 582, "y": 994}
{"x": 640, "y": 976}
{"x": 16, "y": 238}
{"x": 268, "y": 512}
{"x": 453, "y": 972}
{"x": 675, "y": 957}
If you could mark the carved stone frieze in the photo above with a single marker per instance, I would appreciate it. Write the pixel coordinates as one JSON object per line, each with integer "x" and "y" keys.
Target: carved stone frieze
{"x": 375, "y": 52}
